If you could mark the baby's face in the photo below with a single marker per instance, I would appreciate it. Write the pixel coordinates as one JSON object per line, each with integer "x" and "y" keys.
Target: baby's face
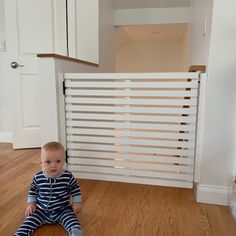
{"x": 52, "y": 162}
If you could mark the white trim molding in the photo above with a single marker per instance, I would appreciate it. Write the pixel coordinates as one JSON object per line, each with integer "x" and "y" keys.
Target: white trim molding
{"x": 5, "y": 137}
{"x": 144, "y": 16}
{"x": 218, "y": 195}
{"x": 200, "y": 126}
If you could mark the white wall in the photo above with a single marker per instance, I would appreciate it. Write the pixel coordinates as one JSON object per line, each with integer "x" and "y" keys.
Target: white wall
{"x": 201, "y": 15}
{"x": 150, "y": 55}
{"x": 218, "y": 151}
{"x": 186, "y": 48}
{"x": 121, "y": 38}
{"x": 106, "y": 37}
{"x": 52, "y": 119}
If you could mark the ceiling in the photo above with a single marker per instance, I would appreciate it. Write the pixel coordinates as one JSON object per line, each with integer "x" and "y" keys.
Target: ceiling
{"x": 132, "y": 4}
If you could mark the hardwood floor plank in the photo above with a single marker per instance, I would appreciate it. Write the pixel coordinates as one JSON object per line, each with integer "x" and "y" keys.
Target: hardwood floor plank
{"x": 110, "y": 208}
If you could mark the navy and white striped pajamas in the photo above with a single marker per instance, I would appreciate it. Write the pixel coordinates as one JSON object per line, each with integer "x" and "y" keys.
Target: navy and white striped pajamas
{"x": 52, "y": 198}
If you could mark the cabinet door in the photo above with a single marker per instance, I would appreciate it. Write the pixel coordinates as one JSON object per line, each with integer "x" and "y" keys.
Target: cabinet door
{"x": 83, "y": 29}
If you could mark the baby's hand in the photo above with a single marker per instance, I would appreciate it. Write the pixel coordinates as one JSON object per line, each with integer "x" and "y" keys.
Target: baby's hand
{"x": 76, "y": 207}
{"x": 31, "y": 208}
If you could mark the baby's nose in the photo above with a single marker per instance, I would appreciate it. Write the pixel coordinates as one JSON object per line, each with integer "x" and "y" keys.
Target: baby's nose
{"x": 53, "y": 163}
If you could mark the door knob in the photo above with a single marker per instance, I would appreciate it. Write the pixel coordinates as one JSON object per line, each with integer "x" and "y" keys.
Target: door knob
{"x": 15, "y": 65}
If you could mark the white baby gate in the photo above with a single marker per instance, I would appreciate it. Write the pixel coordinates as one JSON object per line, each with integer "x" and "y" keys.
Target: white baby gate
{"x": 138, "y": 128}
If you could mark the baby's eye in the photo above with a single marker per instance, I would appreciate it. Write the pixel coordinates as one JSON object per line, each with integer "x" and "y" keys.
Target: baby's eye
{"x": 48, "y": 162}
{"x": 58, "y": 161}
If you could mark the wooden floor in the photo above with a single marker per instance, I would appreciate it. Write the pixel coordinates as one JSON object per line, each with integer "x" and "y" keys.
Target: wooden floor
{"x": 111, "y": 209}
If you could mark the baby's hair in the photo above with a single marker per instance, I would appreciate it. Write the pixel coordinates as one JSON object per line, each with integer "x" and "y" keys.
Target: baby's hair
{"x": 53, "y": 146}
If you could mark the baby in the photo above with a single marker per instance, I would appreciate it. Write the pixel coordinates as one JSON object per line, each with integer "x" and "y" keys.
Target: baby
{"x": 49, "y": 195}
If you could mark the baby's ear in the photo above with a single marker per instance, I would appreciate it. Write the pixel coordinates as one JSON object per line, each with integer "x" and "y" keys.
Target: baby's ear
{"x": 37, "y": 161}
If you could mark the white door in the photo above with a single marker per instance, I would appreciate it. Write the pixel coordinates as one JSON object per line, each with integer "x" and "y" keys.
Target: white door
{"x": 29, "y": 30}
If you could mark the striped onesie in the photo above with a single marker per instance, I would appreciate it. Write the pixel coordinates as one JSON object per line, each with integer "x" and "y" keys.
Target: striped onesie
{"x": 52, "y": 195}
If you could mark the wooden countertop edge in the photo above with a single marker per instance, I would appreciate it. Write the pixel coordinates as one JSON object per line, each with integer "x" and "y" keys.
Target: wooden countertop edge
{"x": 66, "y": 58}
{"x": 194, "y": 68}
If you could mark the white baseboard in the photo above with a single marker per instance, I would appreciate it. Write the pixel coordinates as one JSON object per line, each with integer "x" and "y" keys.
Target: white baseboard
{"x": 218, "y": 195}
{"x": 5, "y": 137}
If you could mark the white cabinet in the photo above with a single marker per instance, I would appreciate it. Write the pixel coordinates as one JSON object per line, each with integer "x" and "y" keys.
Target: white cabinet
{"x": 42, "y": 25}
{"x": 83, "y": 29}
{"x": 68, "y": 28}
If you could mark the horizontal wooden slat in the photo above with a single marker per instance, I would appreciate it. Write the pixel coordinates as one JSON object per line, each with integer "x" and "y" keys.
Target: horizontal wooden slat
{"x": 129, "y": 109}
{"x": 132, "y": 117}
{"x": 132, "y": 101}
{"x": 127, "y": 141}
{"x": 133, "y": 179}
{"x": 155, "y": 174}
{"x": 123, "y": 148}
{"x": 136, "y": 76}
{"x": 129, "y": 84}
{"x": 134, "y": 165}
{"x": 120, "y": 125}
{"x": 141, "y": 158}
{"x": 129, "y": 133}
{"x": 132, "y": 93}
